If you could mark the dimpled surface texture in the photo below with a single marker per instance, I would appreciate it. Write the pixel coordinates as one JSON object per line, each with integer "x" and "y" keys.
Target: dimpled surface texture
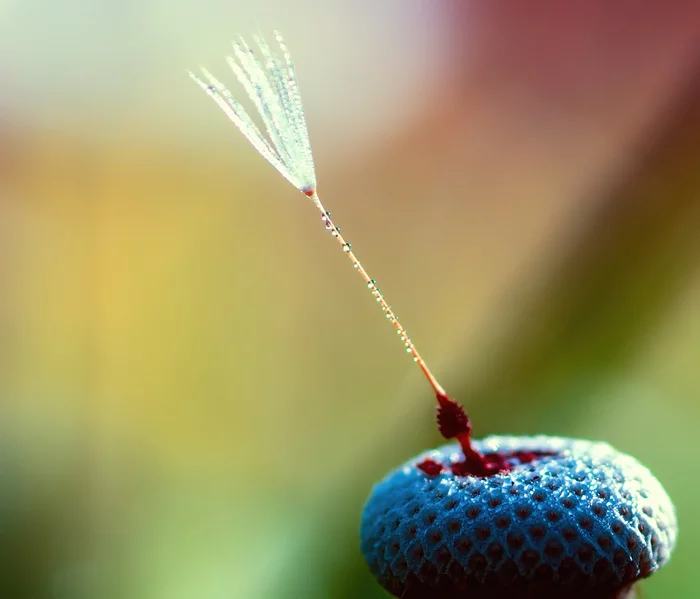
{"x": 588, "y": 517}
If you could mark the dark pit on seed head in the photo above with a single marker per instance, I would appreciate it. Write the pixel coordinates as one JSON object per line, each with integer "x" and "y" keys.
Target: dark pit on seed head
{"x": 502, "y": 522}
{"x": 477, "y": 564}
{"x": 515, "y": 540}
{"x": 586, "y": 523}
{"x": 417, "y": 552}
{"x": 554, "y": 549}
{"x": 495, "y": 551}
{"x": 443, "y": 556}
{"x": 605, "y": 542}
{"x": 435, "y": 536}
{"x": 620, "y": 558}
{"x": 586, "y": 553}
{"x": 454, "y": 525}
{"x": 464, "y": 545}
{"x": 570, "y": 534}
{"x": 523, "y": 512}
{"x": 473, "y": 512}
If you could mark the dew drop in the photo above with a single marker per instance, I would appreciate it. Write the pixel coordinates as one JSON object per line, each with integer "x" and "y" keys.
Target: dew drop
{"x": 347, "y": 247}
{"x": 372, "y": 284}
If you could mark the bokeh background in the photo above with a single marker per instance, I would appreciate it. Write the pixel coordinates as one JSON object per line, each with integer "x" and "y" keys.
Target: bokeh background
{"x": 196, "y": 392}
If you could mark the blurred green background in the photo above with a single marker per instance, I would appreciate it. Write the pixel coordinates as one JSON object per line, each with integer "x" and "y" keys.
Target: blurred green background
{"x": 196, "y": 392}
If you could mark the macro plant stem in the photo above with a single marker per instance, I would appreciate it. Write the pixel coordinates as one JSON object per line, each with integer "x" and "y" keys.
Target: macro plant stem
{"x": 376, "y": 292}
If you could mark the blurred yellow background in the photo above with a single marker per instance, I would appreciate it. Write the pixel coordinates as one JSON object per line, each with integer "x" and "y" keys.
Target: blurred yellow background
{"x": 197, "y": 392}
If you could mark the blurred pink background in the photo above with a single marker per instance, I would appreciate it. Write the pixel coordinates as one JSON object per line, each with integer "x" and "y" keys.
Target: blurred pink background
{"x": 194, "y": 379}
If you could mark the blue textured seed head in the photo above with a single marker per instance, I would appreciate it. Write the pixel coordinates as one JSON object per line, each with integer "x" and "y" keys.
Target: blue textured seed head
{"x": 585, "y": 517}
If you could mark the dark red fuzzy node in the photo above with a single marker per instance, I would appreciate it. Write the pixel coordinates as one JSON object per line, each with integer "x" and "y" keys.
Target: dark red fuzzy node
{"x": 453, "y": 422}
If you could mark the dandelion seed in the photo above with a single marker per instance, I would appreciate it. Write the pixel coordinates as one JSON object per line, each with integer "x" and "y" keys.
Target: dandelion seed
{"x": 270, "y": 82}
